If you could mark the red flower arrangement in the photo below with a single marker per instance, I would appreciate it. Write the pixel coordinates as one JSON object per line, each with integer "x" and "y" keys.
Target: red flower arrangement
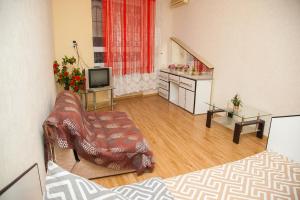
{"x": 69, "y": 75}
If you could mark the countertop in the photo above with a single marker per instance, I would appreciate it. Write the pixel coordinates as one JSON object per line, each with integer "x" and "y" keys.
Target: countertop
{"x": 203, "y": 76}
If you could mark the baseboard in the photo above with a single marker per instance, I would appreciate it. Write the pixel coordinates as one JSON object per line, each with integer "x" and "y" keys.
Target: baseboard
{"x": 136, "y": 94}
{"x": 128, "y": 96}
{"x": 150, "y": 92}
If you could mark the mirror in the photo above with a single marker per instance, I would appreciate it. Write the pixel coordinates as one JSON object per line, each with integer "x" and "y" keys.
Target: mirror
{"x": 185, "y": 60}
{"x": 180, "y": 56}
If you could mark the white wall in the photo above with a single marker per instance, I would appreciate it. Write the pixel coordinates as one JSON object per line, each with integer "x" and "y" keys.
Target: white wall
{"x": 26, "y": 84}
{"x": 284, "y": 137}
{"x": 163, "y": 32}
{"x": 72, "y": 20}
{"x": 254, "y": 46}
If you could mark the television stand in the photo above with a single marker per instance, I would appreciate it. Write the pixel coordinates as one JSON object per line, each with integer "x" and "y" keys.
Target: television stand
{"x": 94, "y": 92}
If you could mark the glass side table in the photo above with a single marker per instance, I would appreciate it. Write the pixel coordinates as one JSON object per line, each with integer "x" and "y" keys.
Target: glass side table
{"x": 244, "y": 120}
{"x": 94, "y": 91}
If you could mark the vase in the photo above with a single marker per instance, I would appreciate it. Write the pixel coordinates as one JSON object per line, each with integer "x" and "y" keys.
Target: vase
{"x": 67, "y": 87}
{"x": 236, "y": 109}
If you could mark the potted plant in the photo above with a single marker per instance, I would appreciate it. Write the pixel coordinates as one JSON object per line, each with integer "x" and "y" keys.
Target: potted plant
{"x": 237, "y": 102}
{"x": 68, "y": 75}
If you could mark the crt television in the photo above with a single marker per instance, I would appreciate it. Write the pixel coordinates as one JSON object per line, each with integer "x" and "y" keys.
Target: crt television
{"x": 98, "y": 77}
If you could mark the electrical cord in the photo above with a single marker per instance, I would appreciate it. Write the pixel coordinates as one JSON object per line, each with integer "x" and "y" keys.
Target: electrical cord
{"x": 79, "y": 58}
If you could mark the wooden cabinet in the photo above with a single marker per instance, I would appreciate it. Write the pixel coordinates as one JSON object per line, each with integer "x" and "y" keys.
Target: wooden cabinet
{"x": 188, "y": 93}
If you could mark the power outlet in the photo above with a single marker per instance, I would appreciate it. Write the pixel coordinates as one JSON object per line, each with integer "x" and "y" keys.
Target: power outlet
{"x": 74, "y": 43}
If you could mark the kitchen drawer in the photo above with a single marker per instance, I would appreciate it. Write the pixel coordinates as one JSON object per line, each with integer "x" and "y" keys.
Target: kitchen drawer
{"x": 163, "y": 76}
{"x": 174, "y": 78}
{"x": 163, "y": 93}
{"x": 163, "y": 84}
{"x": 187, "y": 83}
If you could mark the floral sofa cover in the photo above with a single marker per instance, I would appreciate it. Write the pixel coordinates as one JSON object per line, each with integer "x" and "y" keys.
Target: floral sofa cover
{"x": 108, "y": 139}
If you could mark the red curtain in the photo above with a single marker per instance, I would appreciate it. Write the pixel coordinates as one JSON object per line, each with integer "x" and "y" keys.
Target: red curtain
{"x": 128, "y": 30}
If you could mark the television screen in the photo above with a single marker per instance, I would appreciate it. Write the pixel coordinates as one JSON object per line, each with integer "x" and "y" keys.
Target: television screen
{"x": 98, "y": 77}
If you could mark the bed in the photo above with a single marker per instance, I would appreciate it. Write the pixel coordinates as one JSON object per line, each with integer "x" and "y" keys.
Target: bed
{"x": 266, "y": 175}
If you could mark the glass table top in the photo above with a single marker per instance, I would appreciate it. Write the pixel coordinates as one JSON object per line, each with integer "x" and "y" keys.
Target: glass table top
{"x": 244, "y": 111}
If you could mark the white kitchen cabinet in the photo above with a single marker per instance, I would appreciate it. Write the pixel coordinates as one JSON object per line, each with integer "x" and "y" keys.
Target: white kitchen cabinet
{"x": 187, "y": 83}
{"x": 203, "y": 94}
{"x": 189, "y": 101}
{"x": 163, "y": 84}
{"x": 191, "y": 93}
{"x": 174, "y": 79}
{"x": 173, "y": 93}
{"x": 163, "y": 93}
{"x": 163, "y": 76}
{"x": 181, "y": 97}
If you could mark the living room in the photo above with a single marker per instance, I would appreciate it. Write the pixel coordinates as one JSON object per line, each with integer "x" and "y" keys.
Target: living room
{"x": 250, "y": 48}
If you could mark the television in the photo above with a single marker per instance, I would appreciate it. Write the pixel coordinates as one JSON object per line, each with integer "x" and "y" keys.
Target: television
{"x": 98, "y": 77}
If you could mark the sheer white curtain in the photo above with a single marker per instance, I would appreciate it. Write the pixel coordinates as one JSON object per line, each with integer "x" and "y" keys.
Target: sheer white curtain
{"x": 135, "y": 83}
{"x": 138, "y": 26}
{"x": 129, "y": 44}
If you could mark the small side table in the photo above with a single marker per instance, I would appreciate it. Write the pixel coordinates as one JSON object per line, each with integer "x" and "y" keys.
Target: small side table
{"x": 245, "y": 117}
{"x": 94, "y": 92}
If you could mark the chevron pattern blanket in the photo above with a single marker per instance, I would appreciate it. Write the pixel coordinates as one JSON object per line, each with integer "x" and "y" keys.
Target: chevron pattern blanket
{"x": 63, "y": 185}
{"x": 262, "y": 176}
{"x": 150, "y": 189}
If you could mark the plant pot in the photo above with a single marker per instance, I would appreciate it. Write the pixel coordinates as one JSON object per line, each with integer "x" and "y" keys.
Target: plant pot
{"x": 236, "y": 109}
{"x": 230, "y": 114}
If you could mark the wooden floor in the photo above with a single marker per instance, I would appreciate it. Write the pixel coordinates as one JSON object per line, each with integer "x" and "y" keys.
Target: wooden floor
{"x": 180, "y": 142}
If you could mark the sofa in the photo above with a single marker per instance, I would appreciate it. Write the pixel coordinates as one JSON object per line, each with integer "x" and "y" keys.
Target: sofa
{"x": 109, "y": 139}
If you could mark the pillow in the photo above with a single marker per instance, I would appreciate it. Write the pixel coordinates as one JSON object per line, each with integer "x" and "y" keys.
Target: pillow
{"x": 63, "y": 185}
{"x": 153, "y": 188}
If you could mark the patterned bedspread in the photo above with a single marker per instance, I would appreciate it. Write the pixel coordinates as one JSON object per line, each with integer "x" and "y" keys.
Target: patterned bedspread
{"x": 265, "y": 175}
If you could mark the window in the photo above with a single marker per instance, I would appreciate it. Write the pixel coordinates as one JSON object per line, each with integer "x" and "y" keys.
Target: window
{"x": 97, "y": 32}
